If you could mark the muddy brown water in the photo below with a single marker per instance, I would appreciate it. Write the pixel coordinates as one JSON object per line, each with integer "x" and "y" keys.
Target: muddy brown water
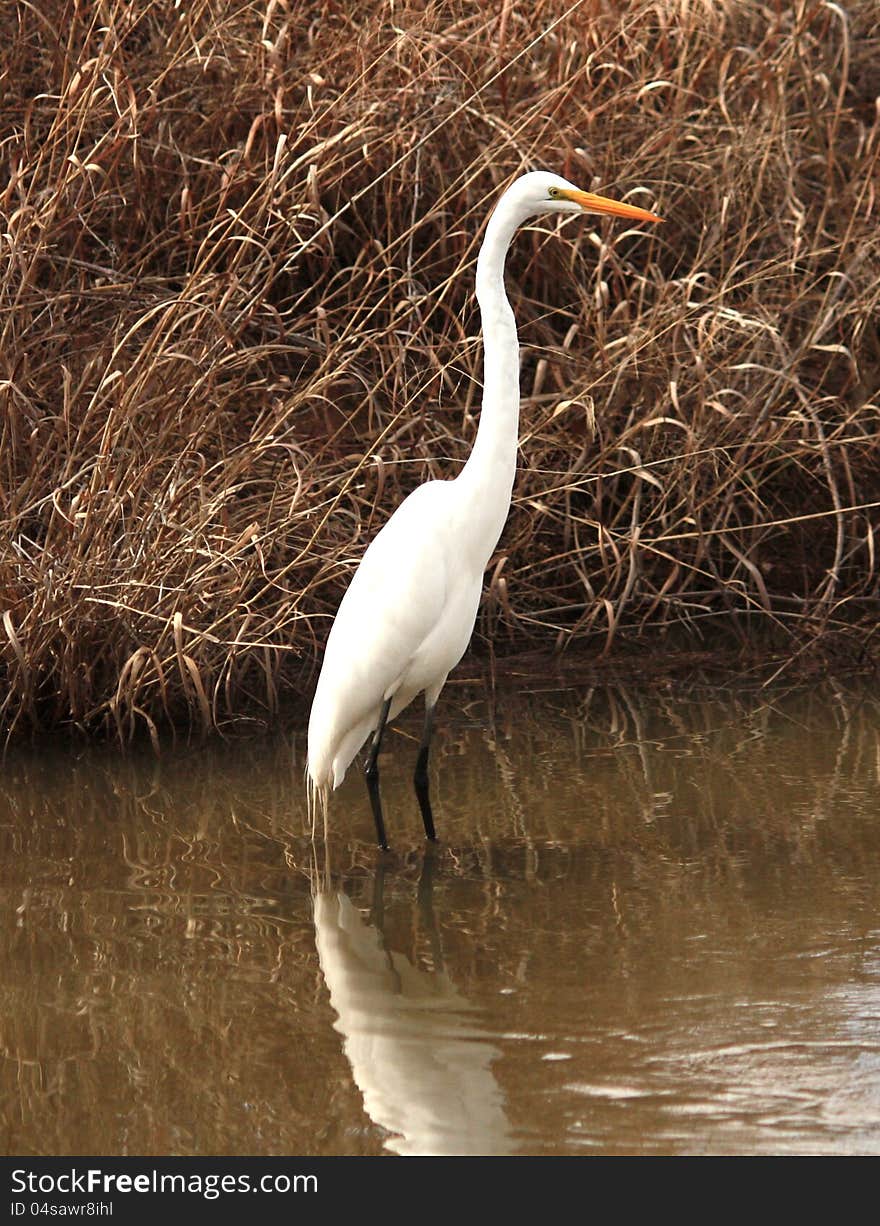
{"x": 652, "y": 926}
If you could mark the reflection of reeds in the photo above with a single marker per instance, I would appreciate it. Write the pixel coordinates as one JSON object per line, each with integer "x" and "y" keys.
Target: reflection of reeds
{"x": 237, "y": 325}
{"x": 161, "y": 990}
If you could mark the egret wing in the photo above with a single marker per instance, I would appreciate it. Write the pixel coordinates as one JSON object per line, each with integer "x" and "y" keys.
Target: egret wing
{"x": 394, "y": 601}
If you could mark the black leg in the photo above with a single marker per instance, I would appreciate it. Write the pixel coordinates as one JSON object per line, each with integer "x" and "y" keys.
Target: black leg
{"x": 371, "y": 771}
{"x": 420, "y": 779}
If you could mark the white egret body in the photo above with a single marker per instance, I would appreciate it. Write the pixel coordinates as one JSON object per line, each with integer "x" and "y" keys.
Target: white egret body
{"x": 408, "y": 614}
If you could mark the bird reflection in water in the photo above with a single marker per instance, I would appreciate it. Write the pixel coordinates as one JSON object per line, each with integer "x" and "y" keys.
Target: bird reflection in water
{"x": 421, "y": 1064}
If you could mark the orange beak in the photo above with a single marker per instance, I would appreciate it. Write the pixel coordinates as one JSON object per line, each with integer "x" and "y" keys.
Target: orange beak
{"x": 601, "y": 204}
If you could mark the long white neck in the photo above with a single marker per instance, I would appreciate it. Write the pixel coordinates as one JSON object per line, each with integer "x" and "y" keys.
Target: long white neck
{"x": 487, "y": 478}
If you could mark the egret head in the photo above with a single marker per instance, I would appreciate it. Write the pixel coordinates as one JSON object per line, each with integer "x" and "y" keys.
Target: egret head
{"x": 541, "y": 192}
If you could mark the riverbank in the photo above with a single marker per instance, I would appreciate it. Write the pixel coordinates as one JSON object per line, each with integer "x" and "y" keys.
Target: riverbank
{"x": 238, "y": 327}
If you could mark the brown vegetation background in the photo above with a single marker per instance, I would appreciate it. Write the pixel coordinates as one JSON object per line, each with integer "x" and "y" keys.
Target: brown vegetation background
{"x": 238, "y": 326}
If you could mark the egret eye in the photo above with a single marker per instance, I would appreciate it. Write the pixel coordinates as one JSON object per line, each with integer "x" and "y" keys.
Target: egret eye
{"x": 553, "y": 193}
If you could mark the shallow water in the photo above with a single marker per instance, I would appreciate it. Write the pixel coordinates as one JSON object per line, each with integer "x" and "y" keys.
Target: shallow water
{"x": 652, "y": 926}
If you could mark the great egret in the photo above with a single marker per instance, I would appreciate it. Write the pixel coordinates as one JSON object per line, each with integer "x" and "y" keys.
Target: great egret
{"x": 407, "y": 616}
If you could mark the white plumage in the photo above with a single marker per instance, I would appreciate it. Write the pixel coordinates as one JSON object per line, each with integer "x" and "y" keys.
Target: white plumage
{"x": 399, "y": 630}
{"x": 407, "y": 617}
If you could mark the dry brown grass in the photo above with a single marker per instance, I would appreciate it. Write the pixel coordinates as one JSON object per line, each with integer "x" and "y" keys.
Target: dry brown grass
{"x": 238, "y": 325}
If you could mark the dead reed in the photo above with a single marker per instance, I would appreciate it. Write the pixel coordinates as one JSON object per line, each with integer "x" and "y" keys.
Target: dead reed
{"x": 238, "y": 325}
